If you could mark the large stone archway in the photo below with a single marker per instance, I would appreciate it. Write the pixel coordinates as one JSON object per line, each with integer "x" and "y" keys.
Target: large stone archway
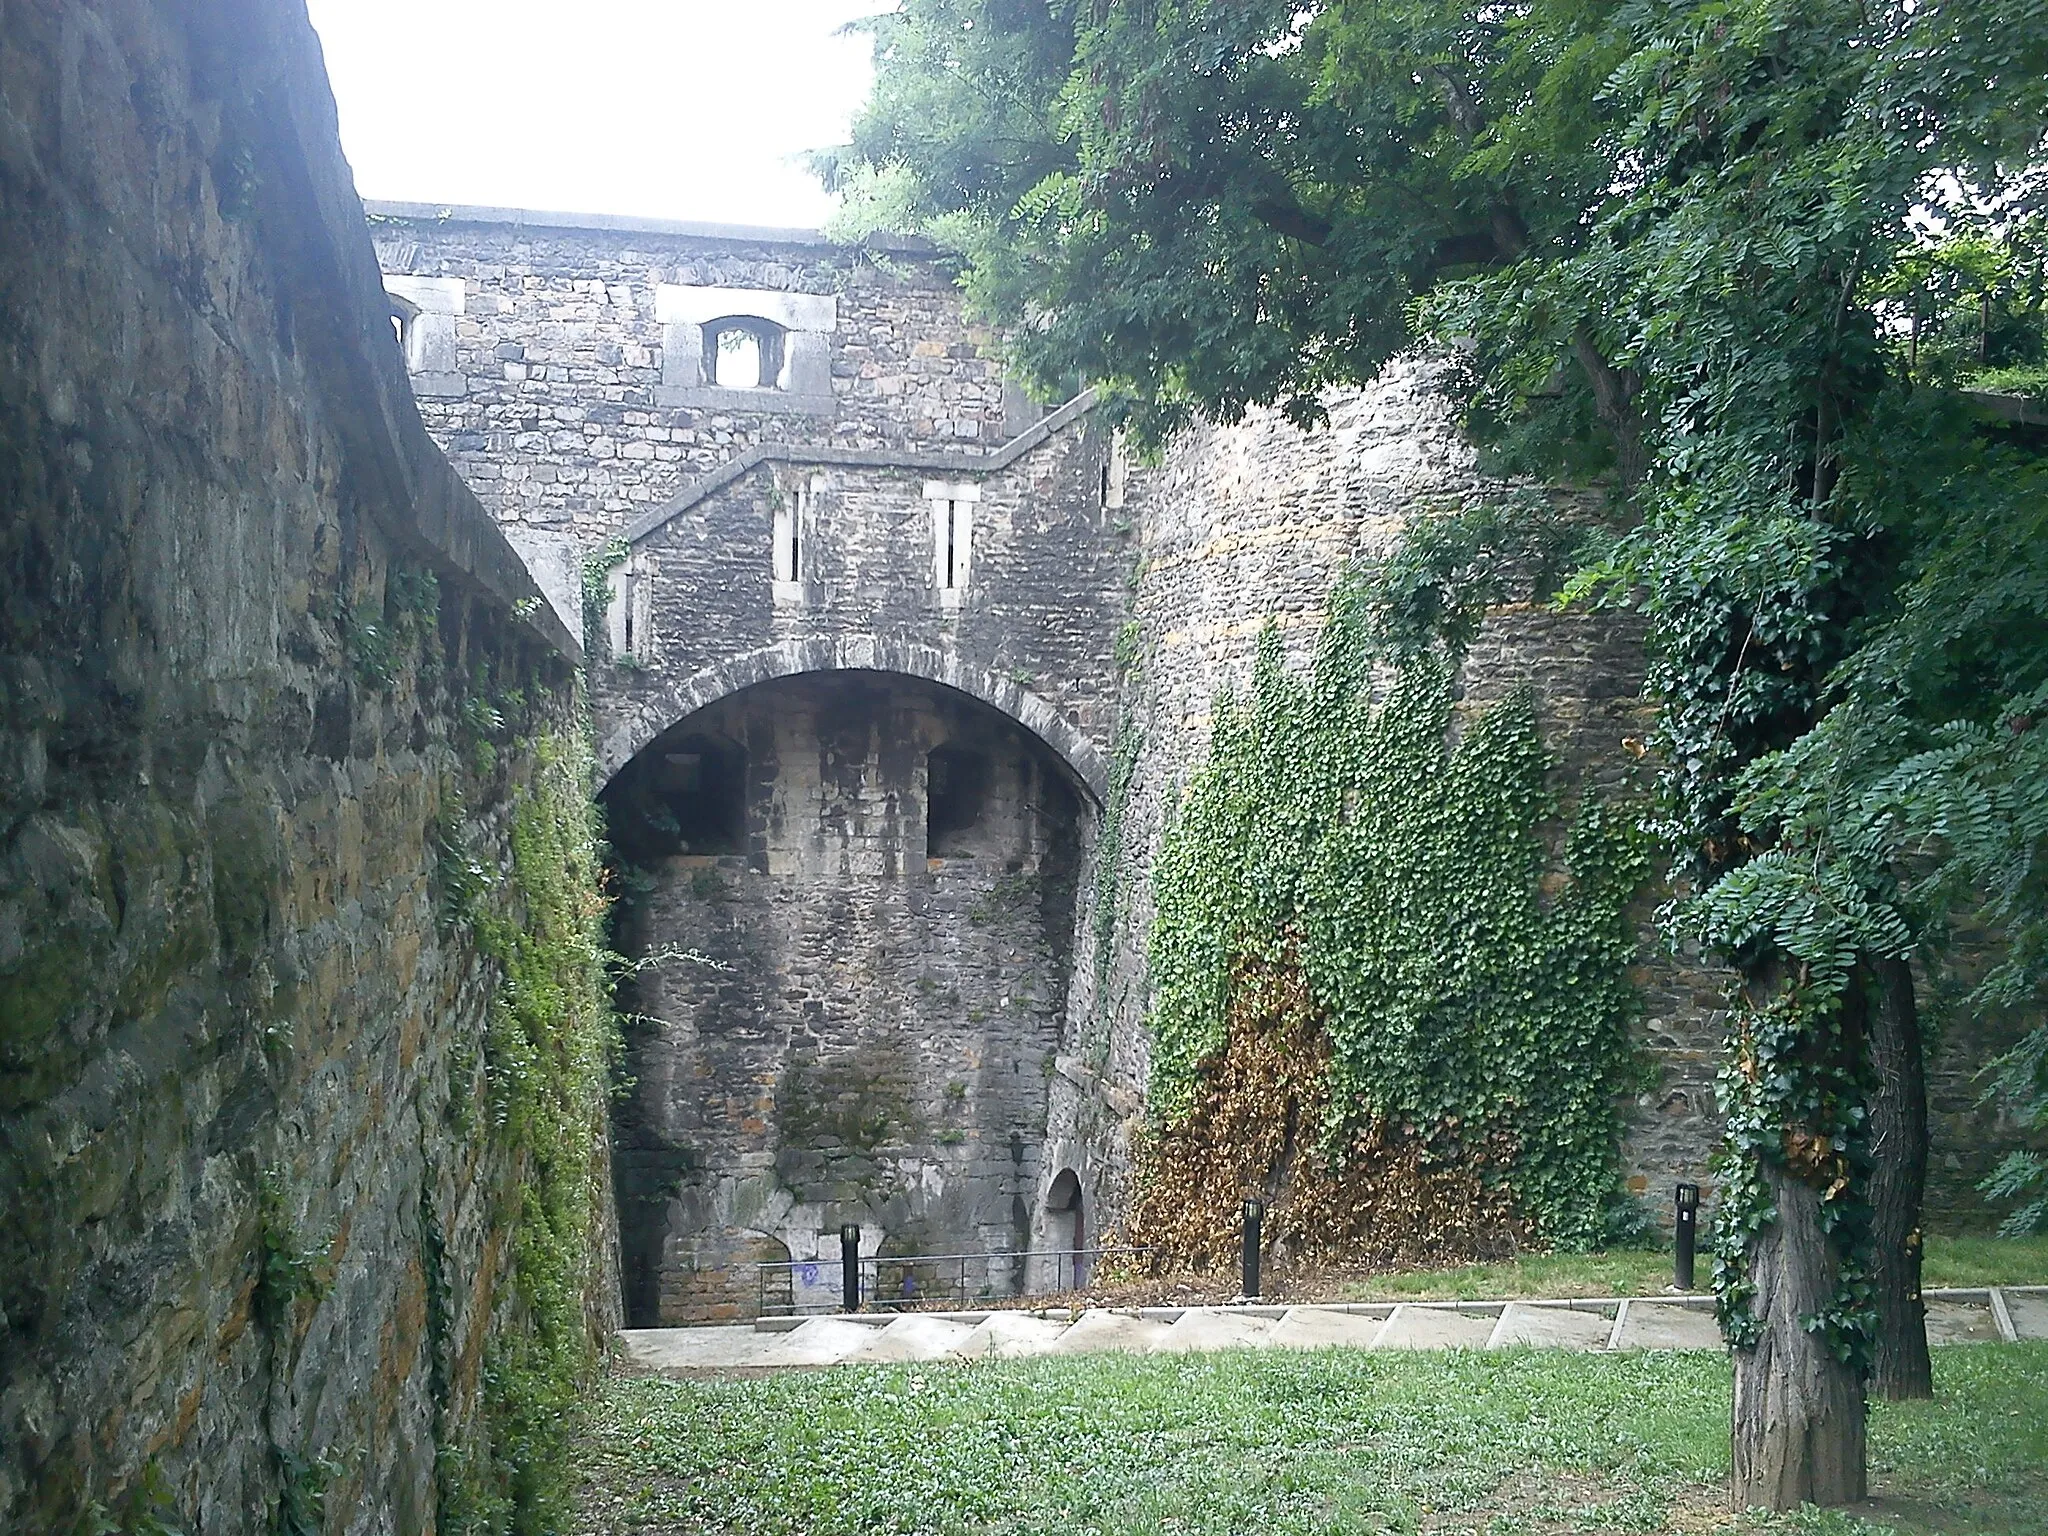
{"x": 628, "y": 724}
{"x": 857, "y": 887}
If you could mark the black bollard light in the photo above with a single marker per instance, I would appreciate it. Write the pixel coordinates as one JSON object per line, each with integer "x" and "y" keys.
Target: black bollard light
{"x": 849, "y": 1265}
{"x": 1254, "y": 1215}
{"x": 1687, "y": 1229}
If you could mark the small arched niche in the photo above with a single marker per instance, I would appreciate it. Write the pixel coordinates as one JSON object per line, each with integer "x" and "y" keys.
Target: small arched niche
{"x": 956, "y": 799}
{"x": 744, "y": 352}
{"x": 685, "y": 794}
{"x": 1066, "y": 1231}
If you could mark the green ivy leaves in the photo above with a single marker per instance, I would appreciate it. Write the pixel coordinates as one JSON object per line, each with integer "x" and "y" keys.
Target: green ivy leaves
{"x": 1464, "y": 979}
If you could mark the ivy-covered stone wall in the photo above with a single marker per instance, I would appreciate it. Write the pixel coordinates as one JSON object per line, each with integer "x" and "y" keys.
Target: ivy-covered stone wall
{"x": 303, "y": 1025}
{"x": 1247, "y": 528}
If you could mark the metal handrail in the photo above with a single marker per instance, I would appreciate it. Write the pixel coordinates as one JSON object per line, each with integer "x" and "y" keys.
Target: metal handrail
{"x": 797, "y": 1287}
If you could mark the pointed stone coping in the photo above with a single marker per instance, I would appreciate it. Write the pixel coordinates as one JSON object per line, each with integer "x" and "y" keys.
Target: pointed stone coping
{"x": 2029, "y": 1311}
{"x": 914, "y": 1336}
{"x": 1009, "y": 1336}
{"x": 1326, "y": 1328}
{"x": 819, "y": 1341}
{"x": 691, "y": 1349}
{"x": 1415, "y": 1326}
{"x": 1100, "y": 1330}
{"x": 1965, "y": 1319}
{"x": 1198, "y": 1331}
{"x": 1551, "y": 1327}
{"x": 1664, "y": 1325}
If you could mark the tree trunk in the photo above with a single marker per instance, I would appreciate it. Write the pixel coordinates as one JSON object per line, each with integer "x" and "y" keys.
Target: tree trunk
{"x": 1899, "y": 1367}
{"x": 1798, "y": 1425}
{"x": 1614, "y": 392}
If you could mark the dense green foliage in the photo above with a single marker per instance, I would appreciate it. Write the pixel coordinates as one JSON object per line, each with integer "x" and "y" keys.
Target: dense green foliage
{"x": 1515, "y": 1443}
{"x": 1735, "y": 254}
{"x": 546, "y": 1062}
{"x": 1335, "y": 827}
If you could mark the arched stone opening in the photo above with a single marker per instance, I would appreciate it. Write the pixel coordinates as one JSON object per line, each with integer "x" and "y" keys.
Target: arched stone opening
{"x": 1066, "y": 1231}
{"x": 743, "y": 352}
{"x": 851, "y": 1001}
{"x": 630, "y": 723}
{"x": 686, "y": 795}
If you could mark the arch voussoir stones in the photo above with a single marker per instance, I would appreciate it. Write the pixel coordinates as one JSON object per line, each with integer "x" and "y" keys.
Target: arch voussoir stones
{"x": 628, "y": 725}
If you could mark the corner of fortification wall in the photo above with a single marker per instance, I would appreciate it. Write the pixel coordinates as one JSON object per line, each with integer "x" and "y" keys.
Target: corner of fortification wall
{"x": 1245, "y": 525}
{"x": 284, "y": 724}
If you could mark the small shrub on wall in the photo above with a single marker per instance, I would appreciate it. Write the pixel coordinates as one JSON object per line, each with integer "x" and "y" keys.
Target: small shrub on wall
{"x": 1384, "y": 999}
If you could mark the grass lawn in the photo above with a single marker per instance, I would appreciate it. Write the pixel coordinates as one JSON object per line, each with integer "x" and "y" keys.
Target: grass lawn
{"x": 1250, "y": 1443}
{"x": 1634, "y": 1272}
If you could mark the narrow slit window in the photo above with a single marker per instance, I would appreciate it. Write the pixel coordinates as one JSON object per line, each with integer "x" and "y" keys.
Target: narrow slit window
{"x": 952, "y": 523}
{"x": 403, "y": 316}
{"x": 789, "y": 522}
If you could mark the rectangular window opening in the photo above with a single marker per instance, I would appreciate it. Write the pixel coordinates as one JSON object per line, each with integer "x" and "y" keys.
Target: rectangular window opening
{"x": 792, "y": 520}
{"x": 952, "y": 511}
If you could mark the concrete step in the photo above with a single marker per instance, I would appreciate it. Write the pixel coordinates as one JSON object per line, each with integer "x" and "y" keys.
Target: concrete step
{"x": 1326, "y": 1328}
{"x": 1100, "y": 1330}
{"x": 1201, "y": 1329}
{"x": 2028, "y": 1308}
{"x": 1550, "y": 1327}
{"x": 914, "y": 1336}
{"x": 1010, "y": 1336}
{"x": 1665, "y": 1325}
{"x": 1416, "y": 1326}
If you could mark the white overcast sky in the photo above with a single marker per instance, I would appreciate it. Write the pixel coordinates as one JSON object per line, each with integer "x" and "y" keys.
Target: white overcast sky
{"x": 680, "y": 109}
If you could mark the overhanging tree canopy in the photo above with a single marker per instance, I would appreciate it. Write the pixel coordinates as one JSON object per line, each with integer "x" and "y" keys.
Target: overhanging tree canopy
{"x": 1724, "y": 250}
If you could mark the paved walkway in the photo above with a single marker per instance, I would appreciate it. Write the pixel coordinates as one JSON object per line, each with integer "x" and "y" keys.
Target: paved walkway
{"x": 1650, "y": 1322}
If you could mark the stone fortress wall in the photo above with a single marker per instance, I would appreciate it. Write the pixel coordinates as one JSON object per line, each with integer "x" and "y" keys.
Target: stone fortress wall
{"x": 1254, "y": 522}
{"x": 1244, "y": 525}
{"x": 232, "y": 1024}
{"x": 868, "y": 559}
{"x": 571, "y": 378}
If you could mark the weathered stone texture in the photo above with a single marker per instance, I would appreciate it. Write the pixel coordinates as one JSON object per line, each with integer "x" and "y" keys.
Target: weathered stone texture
{"x": 220, "y": 774}
{"x": 1248, "y": 524}
{"x": 868, "y": 1034}
{"x": 564, "y": 420}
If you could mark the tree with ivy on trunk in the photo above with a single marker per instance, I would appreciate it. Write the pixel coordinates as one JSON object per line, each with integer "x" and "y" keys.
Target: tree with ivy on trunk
{"x": 1674, "y": 244}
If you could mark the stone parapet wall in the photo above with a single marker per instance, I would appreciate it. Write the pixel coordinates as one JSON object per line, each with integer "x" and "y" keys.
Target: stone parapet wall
{"x": 250, "y": 1249}
{"x": 564, "y": 398}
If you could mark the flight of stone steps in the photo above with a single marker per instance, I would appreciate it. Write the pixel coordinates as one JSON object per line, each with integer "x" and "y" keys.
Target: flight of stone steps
{"x": 2007, "y": 1313}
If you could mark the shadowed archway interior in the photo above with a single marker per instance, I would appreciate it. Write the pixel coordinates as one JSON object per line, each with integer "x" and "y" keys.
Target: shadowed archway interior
{"x": 853, "y": 894}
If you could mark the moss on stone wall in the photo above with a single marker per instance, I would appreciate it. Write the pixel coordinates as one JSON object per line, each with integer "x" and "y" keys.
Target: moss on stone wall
{"x": 547, "y": 1053}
